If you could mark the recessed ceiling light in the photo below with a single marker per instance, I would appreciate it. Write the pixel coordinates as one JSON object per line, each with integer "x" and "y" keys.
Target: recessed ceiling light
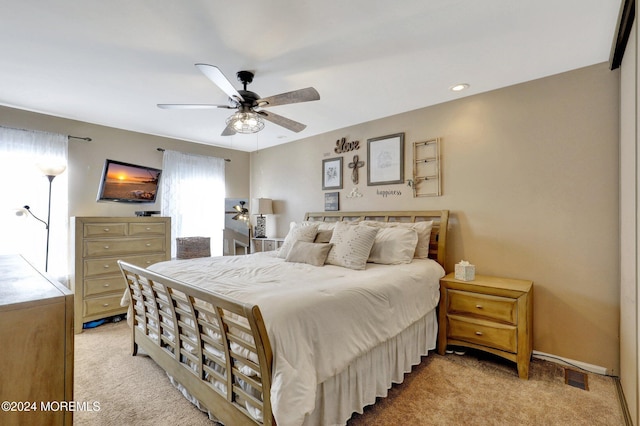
{"x": 459, "y": 87}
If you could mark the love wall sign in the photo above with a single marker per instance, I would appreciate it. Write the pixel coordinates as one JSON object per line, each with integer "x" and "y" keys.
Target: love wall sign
{"x": 343, "y": 146}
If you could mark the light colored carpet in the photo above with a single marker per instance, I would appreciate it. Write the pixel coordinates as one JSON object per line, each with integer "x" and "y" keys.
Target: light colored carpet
{"x": 474, "y": 389}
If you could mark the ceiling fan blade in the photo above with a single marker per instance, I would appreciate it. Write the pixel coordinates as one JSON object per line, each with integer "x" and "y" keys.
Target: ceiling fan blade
{"x": 214, "y": 74}
{"x": 302, "y": 95}
{"x": 193, "y": 106}
{"x": 287, "y": 123}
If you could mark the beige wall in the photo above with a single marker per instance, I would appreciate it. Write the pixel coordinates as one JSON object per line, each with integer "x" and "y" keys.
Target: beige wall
{"x": 629, "y": 217}
{"x": 86, "y": 159}
{"x": 530, "y": 175}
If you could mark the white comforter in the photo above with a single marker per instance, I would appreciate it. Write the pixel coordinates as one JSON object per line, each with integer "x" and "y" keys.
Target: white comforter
{"x": 318, "y": 319}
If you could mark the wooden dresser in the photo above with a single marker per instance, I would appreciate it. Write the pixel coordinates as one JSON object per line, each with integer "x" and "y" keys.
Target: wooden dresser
{"x": 36, "y": 359}
{"x": 489, "y": 313}
{"x": 98, "y": 243}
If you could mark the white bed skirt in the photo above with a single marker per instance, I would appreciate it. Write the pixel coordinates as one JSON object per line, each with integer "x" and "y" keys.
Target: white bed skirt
{"x": 372, "y": 375}
{"x": 368, "y": 377}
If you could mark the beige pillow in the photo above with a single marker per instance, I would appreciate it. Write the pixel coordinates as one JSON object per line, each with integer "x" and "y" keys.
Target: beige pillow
{"x": 422, "y": 228}
{"x": 393, "y": 246}
{"x": 323, "y": 236}
{"x": 351, "y": 245}
{"x": 309, "y": 253}
{"x": 297, "y": 232}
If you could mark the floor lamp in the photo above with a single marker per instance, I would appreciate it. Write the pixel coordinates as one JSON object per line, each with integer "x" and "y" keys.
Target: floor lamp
{"x": 50, "y": 172}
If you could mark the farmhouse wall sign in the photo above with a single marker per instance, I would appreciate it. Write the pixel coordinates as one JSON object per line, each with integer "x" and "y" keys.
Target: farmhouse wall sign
{"x": 343, "y": 146}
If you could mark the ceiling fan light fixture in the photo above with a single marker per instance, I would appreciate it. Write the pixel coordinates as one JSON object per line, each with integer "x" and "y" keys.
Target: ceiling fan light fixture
{"x": 246, "y": 122}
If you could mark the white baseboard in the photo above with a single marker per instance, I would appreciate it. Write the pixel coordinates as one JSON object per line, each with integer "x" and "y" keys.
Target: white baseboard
{"x": 571, "y": 363}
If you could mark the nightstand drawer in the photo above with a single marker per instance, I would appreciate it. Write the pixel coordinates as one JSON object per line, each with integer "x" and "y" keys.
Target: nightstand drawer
{"x": 502, "y": 309}
{"x": 486, "y": 333}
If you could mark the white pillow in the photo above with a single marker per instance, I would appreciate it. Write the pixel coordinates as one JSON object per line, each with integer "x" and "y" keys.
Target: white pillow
{"x": 393, "y": 246}
{"x": 422, "y": 228}
{"x": 297, "y": 232}
{"x": 351, "y": 245}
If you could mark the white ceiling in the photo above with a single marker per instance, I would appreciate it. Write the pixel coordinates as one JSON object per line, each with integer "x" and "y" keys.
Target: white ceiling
{"x": 111, "y": 62}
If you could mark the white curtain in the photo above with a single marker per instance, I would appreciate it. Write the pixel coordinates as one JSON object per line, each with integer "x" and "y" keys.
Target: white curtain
{"x": 193, "y": 193}
{"x": 23, "y": 183}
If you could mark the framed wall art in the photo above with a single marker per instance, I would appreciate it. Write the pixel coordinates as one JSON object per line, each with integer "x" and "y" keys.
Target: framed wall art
{"x": 331, "y": 201}
{"x": 332, "y": 173}
{"x": 385, "y": 160}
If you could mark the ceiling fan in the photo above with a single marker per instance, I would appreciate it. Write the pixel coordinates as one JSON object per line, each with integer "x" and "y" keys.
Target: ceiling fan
{"x": 250, "y": 115}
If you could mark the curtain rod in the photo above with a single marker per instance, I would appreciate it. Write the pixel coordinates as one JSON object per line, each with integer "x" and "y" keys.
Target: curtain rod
{"x": 27, "y": 130}
{"x": 78, "y": 137}
{"x": 228, "y": 160}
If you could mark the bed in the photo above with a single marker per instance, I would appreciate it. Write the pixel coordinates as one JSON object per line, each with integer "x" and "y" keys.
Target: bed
{"x": 289, "y": 339}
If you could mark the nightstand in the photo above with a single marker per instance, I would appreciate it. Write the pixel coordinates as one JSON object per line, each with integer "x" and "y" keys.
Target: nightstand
{"x": 266, "y": 244}
{"x": 491, "y": 314}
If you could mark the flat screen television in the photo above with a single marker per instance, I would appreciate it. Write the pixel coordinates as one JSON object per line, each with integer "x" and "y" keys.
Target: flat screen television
{"x": 128, "y": 183}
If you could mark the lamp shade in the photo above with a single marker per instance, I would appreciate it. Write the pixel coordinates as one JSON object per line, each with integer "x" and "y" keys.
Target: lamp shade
{"x": 262, "y": 206}
{"x": 51, "y": 169}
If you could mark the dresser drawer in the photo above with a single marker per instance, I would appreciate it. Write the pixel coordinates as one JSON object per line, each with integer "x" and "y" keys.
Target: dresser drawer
{"x": 105, "y": 229}
{"x": 486, "y": 333}
{"x": 103, "y": 305}
{"x": 497, "y": 308}
{"x": 97, "y": 286}
{"x": 141, "y": 229}
{"x": 109, "y": 266}
{"x": 107, "y": 247}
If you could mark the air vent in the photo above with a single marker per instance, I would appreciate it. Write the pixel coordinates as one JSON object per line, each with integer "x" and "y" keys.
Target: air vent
{"x": 576, "y": 379}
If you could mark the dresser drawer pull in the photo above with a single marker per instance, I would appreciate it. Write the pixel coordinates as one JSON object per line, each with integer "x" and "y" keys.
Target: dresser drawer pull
{"x": 478, "y": 333}
{"x": 106, "y": 285}
{"x": 148, "y": 244}
{"x": 106, "y": 229}
{"x": 478, "y": 306}
{"x": 104, "y": 305}
{"x": 106, "y": 266}
{"x": 148, "y": 262}
{"x": 148, "y": 229}
{"x": 106, "y": 247}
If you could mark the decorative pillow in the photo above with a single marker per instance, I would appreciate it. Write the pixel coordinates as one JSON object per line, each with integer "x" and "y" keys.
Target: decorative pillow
{"x": 297, "y": 232}
{"x": 309, "y": 253}
{"x": 323, "y": 236}
{"x": 322, "y": 226}
{"x": 351, "y": 245}
{"x": 393, "y": 246}
{"x": 422, "y": 228}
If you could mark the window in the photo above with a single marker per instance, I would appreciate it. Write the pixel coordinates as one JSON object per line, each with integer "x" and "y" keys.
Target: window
{"x": 193, "y": 193}
{"x": 23, "y": 183}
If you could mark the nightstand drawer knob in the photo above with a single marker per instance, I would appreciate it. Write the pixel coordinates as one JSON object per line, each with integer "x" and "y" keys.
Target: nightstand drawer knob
{"x": 105, "y": 305}
{"x": 148, "y": 244}
{"x": 107, "y": 229}
{"x": 106, "y": 285}
{"x": 106, "y": 247}
{"x": 478, "y": 333}
{"x": 479, "y": 306}
{"x": 106, "y": 266}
